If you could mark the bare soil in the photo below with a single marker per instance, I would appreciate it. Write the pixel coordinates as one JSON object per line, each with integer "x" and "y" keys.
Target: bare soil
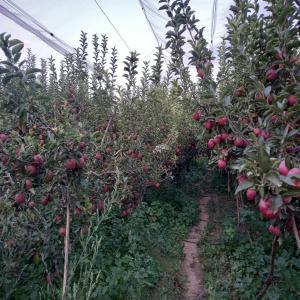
{"x": 192, "y": 267}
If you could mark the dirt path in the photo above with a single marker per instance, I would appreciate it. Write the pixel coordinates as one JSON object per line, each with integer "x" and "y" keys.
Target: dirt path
{"x": 192, "y": 268}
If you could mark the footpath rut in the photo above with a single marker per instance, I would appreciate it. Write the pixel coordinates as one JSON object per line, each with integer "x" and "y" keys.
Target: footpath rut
{"x": 192, "y": 266}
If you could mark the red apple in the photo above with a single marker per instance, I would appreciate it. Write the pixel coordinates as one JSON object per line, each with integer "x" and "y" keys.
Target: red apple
{"x": 31, "y": 170}
{"x": 251, "y": 194}
{"x": 28, "y": 184}
{"x": 157, "y": 185}
{"x": 31, "y": 204}
{"x": 292, "y": 100}
{"x": 62, "y": 231}
{"x": 270, "y": 100}
{"x": 221, "y": 164}
{"x": 20, "y": 198}
{"x": 282, "y": 168}
{"x": 106, "y": 189}
{"x": 287, "y": 200}
{"x": 239, "y": 92}
{"x": 223, "y": 136}
{"x": 265, "y": 134}
{"x": 71, "y": 164}
{"x": 81, "y": 145}
{"x": 146, "y": 168}
{"x": 38, "y": 159}
{"x": 98, "y": 156}
{"x": 49, "y": 176}
{"x": 100, "y": 205}
{"x": 271, "y": 74}
{"x": 196, "y": 116}
{"x": 275, "y": 230}
{"x": 200, "y": 73}
{"x": 257, "y": 131}
{"x": 3, "y": 137}
{"x": 211, "y": 144}
{"x": 209, "y": 124}
{"x": 44, "y": 200}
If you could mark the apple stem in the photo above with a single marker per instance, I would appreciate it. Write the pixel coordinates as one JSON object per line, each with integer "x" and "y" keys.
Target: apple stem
{"x": 67, "y": 237}
{"x": 269, "y": 279}
{"x": 295, "y": 231}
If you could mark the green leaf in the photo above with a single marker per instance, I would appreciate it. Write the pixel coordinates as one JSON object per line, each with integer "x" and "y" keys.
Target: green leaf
{"x": 14, "y": 42}
{"x": 16, "y": 49}
{"x": 275, "y": 180}
{"x": 7, "y": 78}
{"x": 243, "y": 186}
{"x": 32, "y": 71}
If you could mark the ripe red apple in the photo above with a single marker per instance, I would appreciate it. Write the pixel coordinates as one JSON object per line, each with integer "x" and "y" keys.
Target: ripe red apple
{"x": 31, "y": 170}
{"x": 106, "y": 189}
{"x": 100, "y": 205}
{"x": 44, "y": 200}
{"x": 81, "y": 162}
{"x": 109, "y": 150}
{"x": 209, "y": 124}
{"x": 31, "y": 204}
{"x": 251, "y": 194}
{"x": 239, "y": 142}
{"x": 71, "y": 164}
{"x": 264, "y": 207}
{"x": 271, "y": 74}
{"x": 38, "y": 159}
{"x": 265, "y": 134}
{"x": 125, "y": 213}
{"x": 222, "y": 121}
{"x": 270, "y": 100}
{"x": 157, "y": 185}
{"x": 200, "y": 72}
{"x": 3, "y": 137}
{"x": 211, "y": 144}
{"x": 275, "y": 230}
{"x": 62, "y": 231}
{"x": 223, "y": 137}
{"x": 81, "y": 145}
{"x": 49, "y": 176}
{"x": 178, "y": 151}
{"x": 217, "y": 139}
{"x": 292, "y": 100}
{"x": 287, "y": 200}
{"x": 257, "y": 131}
{"x": 282, "y": 168}
{"x": 239, "y": 92}
{"x": 20, "y": 198}
{"x": 196, "y": 116}
{"x": 28, "y": 184}
{"x": 140, "y": 155}
{"x": 98, "y": 156}
{"x": 146, "y": 168}
{"x": 221, "y": 164}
